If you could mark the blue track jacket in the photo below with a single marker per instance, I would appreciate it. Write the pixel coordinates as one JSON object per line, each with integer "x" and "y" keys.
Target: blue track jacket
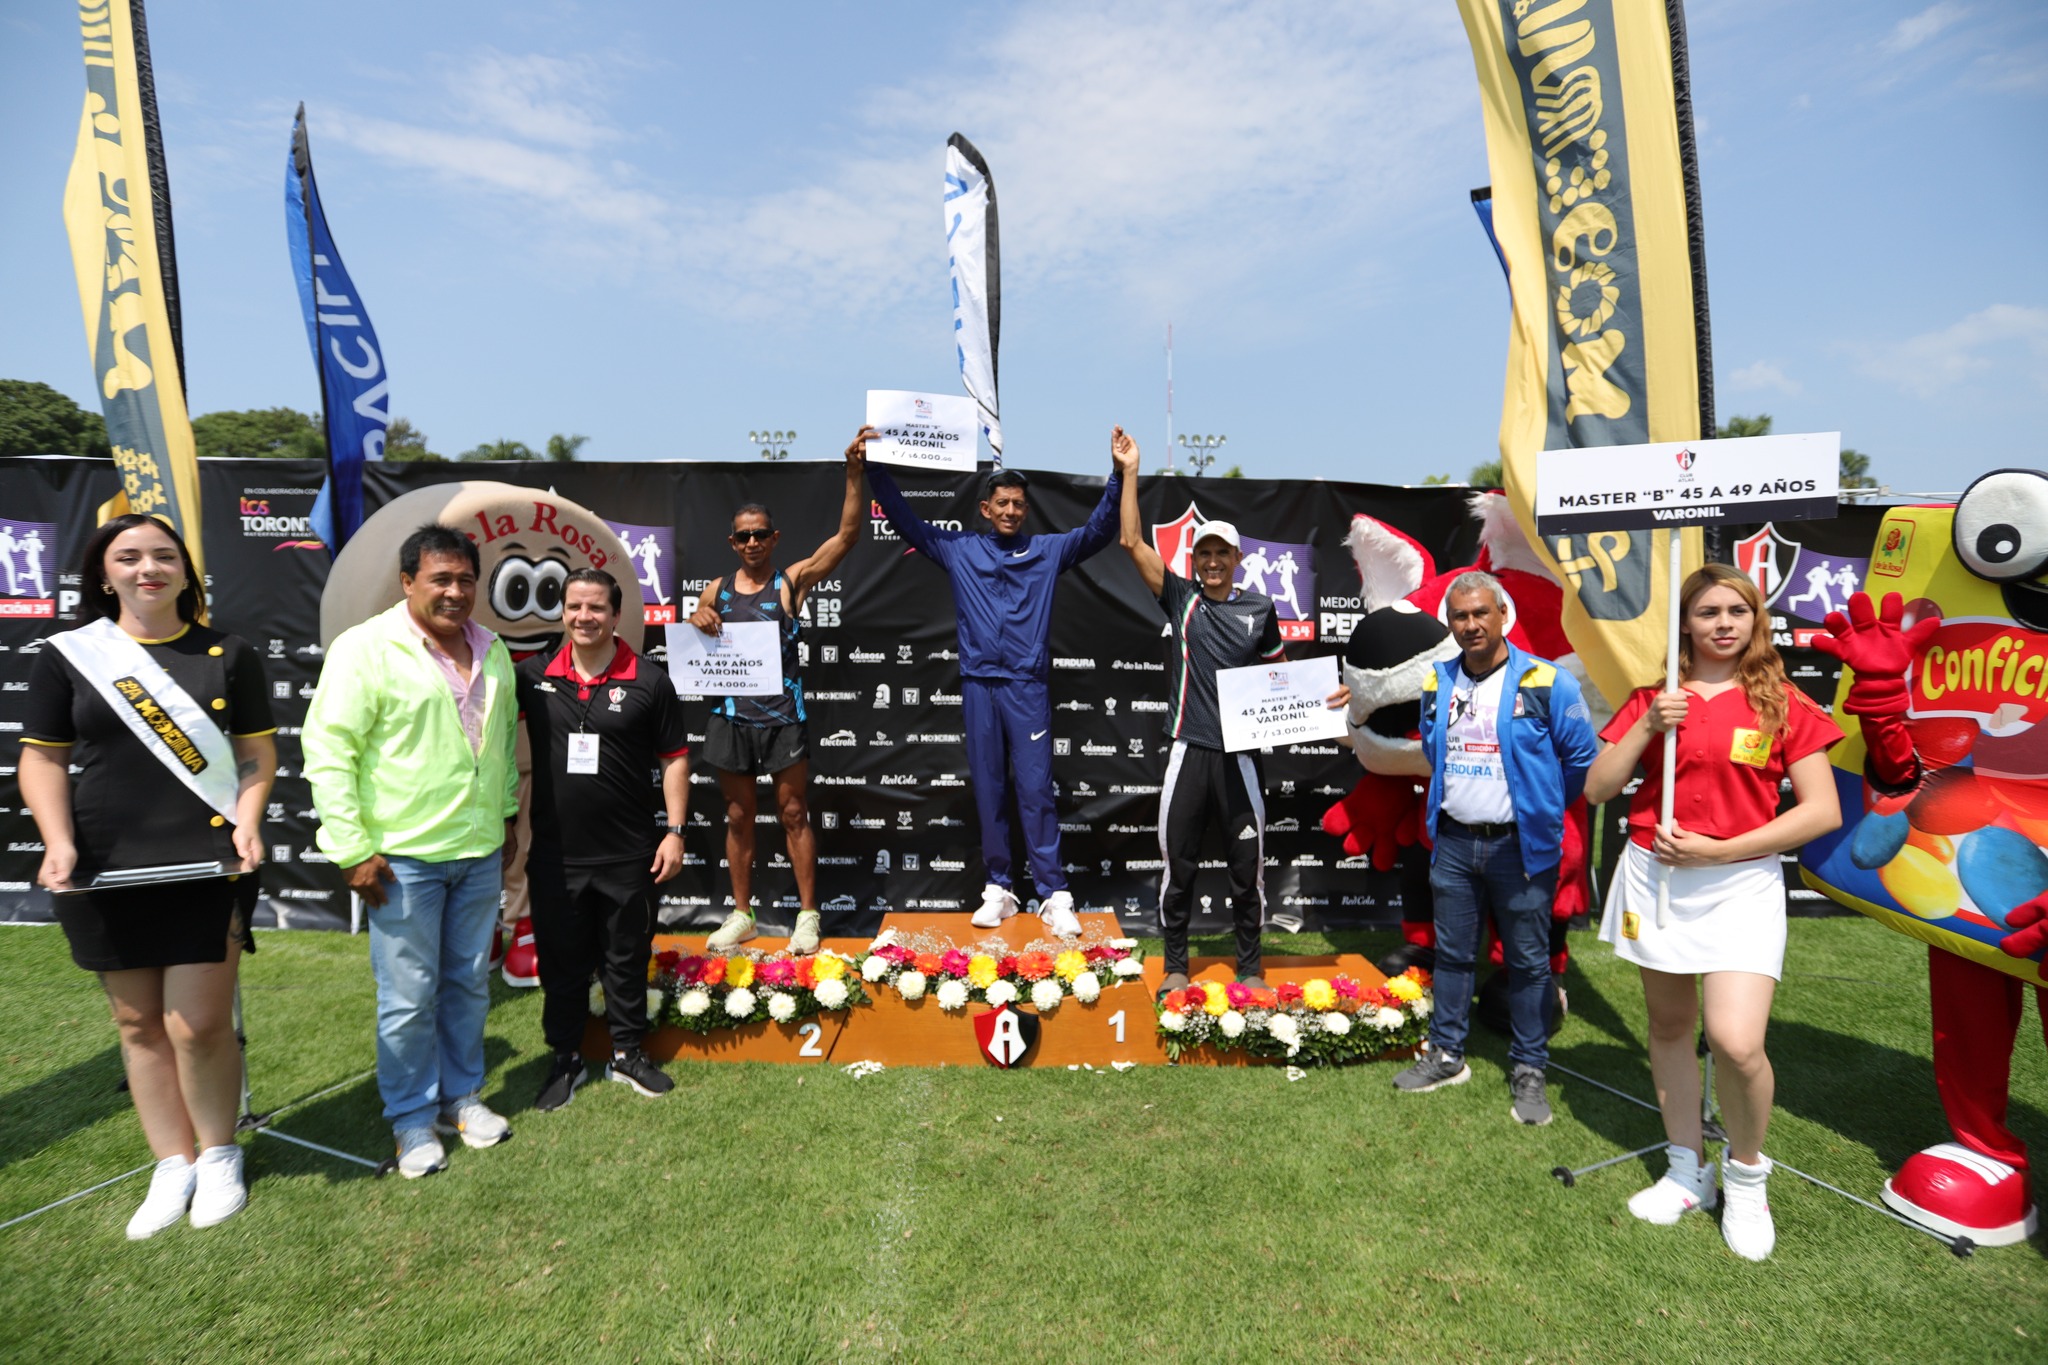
{"x": 1002, "y": 586}
{"x": 1547, "y": 744}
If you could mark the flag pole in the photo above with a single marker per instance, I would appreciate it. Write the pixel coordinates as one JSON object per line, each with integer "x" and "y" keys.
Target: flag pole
{"x": 1670, "y": 795}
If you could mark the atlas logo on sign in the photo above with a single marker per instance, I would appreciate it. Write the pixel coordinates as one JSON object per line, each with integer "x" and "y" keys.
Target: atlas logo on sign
{"x": 1686, "y": 460}
{"x": 1006, "y": 1037}
{"x": 1281, "y": 570}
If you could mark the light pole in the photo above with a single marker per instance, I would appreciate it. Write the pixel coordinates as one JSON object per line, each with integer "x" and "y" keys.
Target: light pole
{"x": 774, "y": 444}
{"x": 1201, "y": 451}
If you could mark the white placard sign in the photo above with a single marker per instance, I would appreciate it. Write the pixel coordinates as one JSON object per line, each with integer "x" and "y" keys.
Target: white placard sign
{"x": 743, "y": 660}
{"x": 1269, "y": 706}
{"x": 923, "y": 430}
{"x": 1670, "y": 484}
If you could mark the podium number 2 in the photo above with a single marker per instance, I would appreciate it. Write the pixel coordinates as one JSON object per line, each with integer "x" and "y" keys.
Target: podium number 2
{"x": 810, "y": 1033}
{"x": 1116, "y": 1021}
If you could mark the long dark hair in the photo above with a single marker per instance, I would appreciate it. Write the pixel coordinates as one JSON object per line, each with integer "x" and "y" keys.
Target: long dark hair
{"x": 98, "y": 595}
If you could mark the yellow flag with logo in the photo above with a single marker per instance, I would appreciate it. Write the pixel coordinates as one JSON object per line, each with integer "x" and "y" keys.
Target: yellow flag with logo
{"x": 1596, "y": 215}
{"x": 117, "y": 211}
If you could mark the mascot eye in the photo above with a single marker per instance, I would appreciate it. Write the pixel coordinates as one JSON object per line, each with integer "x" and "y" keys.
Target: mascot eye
{"x": 2001, "y": 525}
{"x": 513, "y": 586}
{"x": 548, "y": 579}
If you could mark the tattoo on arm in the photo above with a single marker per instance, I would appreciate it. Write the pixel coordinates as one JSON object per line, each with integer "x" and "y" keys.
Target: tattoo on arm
{"x": 246, "y": 768}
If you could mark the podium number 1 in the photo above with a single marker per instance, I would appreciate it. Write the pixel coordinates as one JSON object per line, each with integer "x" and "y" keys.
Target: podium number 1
{"x": 1116, "y": 1021}
{"x": 810, "y": 1033}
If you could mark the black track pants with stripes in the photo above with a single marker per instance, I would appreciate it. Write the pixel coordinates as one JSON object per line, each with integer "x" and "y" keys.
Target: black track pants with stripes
{"x": 1205, "y": 787}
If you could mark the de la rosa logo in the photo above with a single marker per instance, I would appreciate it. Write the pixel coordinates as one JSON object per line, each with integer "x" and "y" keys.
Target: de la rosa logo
{"x": 260, "y": 522}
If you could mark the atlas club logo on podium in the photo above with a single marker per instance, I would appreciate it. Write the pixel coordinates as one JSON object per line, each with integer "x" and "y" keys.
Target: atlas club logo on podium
{"x": 1006, "y": 1036}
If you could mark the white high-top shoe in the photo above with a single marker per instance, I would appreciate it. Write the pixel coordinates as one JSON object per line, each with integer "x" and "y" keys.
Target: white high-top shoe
{"x": 997, "y": 905}
{"x": 1746, "y": 1219}
{"x": 170, "y": 1194}
{"x": 1057, "y": 914}
{"x": 1686, "y": 1185}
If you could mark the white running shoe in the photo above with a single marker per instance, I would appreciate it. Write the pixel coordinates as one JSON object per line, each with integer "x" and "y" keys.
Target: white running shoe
{"x": 803, "y": 940}
{"x": 219, "y": 1193}
{"x": 737, "y": 929}
{"x": 1685, "y": 1185}
{"x": 997, "y": 905}
{"x": 1746, "y": 1217}
{"x": 478, "y": 1124}
{"x": 170, "y": 1192}
{"x": 420, "y": 1153}
{"x": 1057, "y": 913}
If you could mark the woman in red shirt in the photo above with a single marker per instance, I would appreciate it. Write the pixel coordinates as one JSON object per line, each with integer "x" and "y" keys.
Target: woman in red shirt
{"x": 1742, "y": 729}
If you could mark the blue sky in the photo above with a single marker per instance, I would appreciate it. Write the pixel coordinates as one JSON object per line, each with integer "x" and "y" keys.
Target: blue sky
{"x": 664, "y": 226}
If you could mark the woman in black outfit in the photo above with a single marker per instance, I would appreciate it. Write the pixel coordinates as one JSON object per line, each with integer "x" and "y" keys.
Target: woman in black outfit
{"x": 116, "y": 699}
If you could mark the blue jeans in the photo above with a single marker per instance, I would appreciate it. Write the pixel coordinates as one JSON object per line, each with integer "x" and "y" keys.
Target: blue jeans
{"x": 430, "y": 951}
{"x": 1469, "y": 878}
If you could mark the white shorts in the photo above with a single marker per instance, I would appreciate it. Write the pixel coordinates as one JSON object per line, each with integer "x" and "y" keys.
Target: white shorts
{"x": 1729, "y": 918}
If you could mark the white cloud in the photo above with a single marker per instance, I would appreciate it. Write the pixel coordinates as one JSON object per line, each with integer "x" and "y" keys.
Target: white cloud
{"x": 1935, "y": 362}
{"x": 1916, "y": 29}
{"x": 1763, "y": 375}
{"x": 551, "y": 100}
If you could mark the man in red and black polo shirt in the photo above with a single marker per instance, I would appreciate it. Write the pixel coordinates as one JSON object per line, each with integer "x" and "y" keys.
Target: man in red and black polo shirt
{"x": 601, "y": 720}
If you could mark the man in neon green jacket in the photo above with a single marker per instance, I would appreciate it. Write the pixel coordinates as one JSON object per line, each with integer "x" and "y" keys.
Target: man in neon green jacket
{"x": 408, "y": 748}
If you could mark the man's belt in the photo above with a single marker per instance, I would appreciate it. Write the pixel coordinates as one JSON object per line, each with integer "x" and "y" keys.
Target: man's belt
{"x": 1476, "y": 831}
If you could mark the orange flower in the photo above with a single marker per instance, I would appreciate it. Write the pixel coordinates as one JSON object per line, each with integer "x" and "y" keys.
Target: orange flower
{"x": 928, "y": 963}
{"x": 1034, "y": 966}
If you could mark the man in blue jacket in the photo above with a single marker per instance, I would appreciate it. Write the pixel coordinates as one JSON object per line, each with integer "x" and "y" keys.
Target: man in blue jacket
{"x": 1508, "y": 741}
{"x": 1002, "y": 590}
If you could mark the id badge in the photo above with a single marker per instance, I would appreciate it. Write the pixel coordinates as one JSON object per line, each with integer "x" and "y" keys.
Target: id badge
{"x": 1631, "y": 925}
{"x": 1750, "y": 747}
{"x": 582, "y": 754}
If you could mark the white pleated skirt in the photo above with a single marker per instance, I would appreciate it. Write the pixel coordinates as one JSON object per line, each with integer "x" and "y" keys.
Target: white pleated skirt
{"x": 1729, "y": 918}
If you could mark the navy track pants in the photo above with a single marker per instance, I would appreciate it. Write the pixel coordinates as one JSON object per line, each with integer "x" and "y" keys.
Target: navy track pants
{"x": 1009, "y": 748}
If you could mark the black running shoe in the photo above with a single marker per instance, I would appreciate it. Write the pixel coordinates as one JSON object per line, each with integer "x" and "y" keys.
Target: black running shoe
{"x": 560, "y": 1086}
{"x": 635, "y": 1070}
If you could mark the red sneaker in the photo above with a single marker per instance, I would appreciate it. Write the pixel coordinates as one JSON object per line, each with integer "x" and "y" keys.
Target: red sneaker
{"x": 1963, "y": 1193}
{"x": 522, "y": 963}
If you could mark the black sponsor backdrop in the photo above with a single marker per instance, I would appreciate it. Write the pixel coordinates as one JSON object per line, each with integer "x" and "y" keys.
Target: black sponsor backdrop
{"x": 890, "y": 796}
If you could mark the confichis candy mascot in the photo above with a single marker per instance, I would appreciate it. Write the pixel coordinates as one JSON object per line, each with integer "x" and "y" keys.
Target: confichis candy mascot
{"x": 529, "y": 540}
{"x": 1944, "y": 786}
{"x": 1396, "y": 643}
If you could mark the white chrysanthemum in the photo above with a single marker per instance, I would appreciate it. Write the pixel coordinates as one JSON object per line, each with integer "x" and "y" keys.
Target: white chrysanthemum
{"x": 1232, "y": 1024}
{"x": 1338, "y": 1024}
{"x": 781, "y": 1006}
{"x": 1047, "y": 996}
{"x": 1387, "y": 1019}
{"x": 1087, "y": 986}
{"x": 952, "y": 995}
{"x": 654, "y": 1002}
{"x": 1173, "y": 1021}
{"x": 596, "y": 998}
{"x": 912, "y": 984}
{"x": 1284, "y": 1027}
{"x": 1124, "y": 943}
{"x": 1422, "y": 1007}
{"x": 693, "y": 1003}
{"x": 740, "y": 1003}
{"x": 1000, "y": 993}
{"x": 831, "y": 993}
{"x": 874, "y": 969}
{"x": 1129, "y": 967}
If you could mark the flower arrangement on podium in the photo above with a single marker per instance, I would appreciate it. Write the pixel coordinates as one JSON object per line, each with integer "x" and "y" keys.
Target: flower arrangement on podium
{"x": 1327, "y": 1020}
{"x": 958, "y": 977}
{"x": 705, "y": 993}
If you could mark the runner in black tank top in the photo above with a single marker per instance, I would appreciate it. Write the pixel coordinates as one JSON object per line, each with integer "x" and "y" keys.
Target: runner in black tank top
{"x": 747, "y": 736}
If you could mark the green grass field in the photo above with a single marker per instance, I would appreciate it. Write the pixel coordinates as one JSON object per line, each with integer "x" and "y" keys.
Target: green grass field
{"x": 786, "y": 1214}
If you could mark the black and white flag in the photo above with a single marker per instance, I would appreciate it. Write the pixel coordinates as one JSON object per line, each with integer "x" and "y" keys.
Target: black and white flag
{"x": 971, "y": 258}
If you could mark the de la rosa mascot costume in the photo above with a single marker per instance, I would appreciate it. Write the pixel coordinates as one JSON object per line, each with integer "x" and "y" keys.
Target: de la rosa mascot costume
{"x": 1392, "y": 651}
{"x": 1944, "y": 784}
{"x": 529, "y": 540}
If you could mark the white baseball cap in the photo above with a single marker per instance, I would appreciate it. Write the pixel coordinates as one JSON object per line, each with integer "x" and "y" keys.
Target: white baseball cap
{"x": 1221, "y": 530}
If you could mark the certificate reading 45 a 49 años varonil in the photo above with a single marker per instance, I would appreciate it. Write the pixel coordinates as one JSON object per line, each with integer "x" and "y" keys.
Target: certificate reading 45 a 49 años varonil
{"x": 1269, "y": 706}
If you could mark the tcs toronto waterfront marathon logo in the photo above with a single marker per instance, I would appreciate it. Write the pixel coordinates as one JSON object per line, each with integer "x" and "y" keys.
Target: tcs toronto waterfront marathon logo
{"x": 28, "y": 557}
{"x": 652, "y": 550}
{"x": 261, "y": 522}
{"x": 1280, "y": 570}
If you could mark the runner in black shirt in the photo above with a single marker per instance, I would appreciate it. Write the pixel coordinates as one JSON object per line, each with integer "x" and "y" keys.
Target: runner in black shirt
{"x": 601, "y": 719}
{"x": 1214, "y": 626}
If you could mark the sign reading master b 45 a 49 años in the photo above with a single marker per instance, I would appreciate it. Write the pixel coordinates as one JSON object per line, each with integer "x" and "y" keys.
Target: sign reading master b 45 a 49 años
{"x": 1672, "y": 484}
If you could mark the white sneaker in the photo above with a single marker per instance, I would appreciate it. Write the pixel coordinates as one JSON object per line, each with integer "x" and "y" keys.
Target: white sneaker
{"x": 1746, "y": 1219}
{"x": 997, "y": 905}
{"x": 420, "y": 1153}
{"x": 1058, "y": 915}
{"x": 219, "y": 1193}
{"x": 170, "y": 1191}
{"x": 1685, "y": 1185}
{"x": 478, "y": 1124}
{"x": 738, "y": 928}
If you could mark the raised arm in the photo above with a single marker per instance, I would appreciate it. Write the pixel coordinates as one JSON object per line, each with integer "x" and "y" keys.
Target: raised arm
{"x": 1101, "y": 527}
{"x": 1124, "y": 451}
{"x": 806, "y": 572}
{"x": 921, "y": 534}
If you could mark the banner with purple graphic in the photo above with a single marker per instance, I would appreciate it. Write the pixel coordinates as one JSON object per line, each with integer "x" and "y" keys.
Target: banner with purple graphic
{"x": 1282, "y": 570}
{"x": 1799, "y": 581}
{"x": 28, "y": 569}
{"x": 651, "y": 553}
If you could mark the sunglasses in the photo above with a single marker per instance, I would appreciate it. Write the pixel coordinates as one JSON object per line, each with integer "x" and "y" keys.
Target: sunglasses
{"x": 743, "y": 537}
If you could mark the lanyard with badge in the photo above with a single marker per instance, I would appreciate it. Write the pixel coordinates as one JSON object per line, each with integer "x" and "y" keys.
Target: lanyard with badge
{"x": 583, "y": 742}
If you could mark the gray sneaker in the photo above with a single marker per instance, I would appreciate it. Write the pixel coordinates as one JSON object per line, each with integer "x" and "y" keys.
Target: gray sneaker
{"x": 810, "y": 925}
{"x": 737, "y": 929}
{"x": 1433, "y": 1071}
{"x": 420, "y": 1153}
{"x": 1531, "y": 1106}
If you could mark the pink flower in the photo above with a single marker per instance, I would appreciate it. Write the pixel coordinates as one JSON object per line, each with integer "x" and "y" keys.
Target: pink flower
{"x": 954, "y": 963}
{"x": 777, "y": 972}
{"x": 896, "y": 953}
{"x": 691, "y": 970}
{"x": 1238, "y": 994}
{"x": 1348, "y": 989}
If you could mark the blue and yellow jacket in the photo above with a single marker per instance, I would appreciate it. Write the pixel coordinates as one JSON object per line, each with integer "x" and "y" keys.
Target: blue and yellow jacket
{"x": 1547, "y": 744}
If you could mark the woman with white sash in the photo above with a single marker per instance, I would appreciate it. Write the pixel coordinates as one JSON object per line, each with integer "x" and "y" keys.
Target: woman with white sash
{"x": 148, "y": 744}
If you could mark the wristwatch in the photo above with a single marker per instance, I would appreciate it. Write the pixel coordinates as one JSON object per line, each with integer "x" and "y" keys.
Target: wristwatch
{"x": 676, "y": 830}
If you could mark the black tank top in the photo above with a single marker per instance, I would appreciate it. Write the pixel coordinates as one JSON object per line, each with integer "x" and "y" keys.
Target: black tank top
{"x": 765, "y": 605}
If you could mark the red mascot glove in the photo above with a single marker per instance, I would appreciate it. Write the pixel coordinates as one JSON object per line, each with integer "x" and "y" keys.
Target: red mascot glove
{"x": 1874, "y": 647}
{"x": 2030, "y": 925}
{"x": 1382, "y": 816}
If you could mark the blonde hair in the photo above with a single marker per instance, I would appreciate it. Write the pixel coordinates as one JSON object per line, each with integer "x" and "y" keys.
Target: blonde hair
{"x": 1760, "y": 671}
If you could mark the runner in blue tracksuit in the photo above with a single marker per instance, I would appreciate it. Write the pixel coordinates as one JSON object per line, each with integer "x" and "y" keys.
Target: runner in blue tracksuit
{"x": 1002, "y": 589}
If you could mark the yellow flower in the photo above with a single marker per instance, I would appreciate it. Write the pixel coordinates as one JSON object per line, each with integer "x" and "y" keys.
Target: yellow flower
{"x": 1070, "y": 964}
{"x": 981, "y": 972}
{"x": 739, "y": 972}
{"x": 830, "y": 968}
{"x": 1319, "y": 995}
{"x": 1215, "y": 1001}
{"x": 1404, "y": 989}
